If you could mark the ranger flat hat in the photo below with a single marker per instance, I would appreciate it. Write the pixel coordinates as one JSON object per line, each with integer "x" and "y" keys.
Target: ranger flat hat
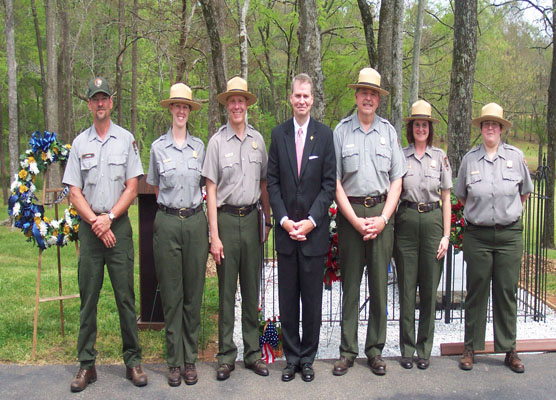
{"x": 421, "y": 110}
{"x": 98, "y": 85}
{"x": 237, "y": 86}
{"x": 492, "y": 112}
{"x": 369, "y": 79}
{"x": 180, "y": 93}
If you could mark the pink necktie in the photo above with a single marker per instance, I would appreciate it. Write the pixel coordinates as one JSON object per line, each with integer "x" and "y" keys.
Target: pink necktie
{"x": 299, "y": 149}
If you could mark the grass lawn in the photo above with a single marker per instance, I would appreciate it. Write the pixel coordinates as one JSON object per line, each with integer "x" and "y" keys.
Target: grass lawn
{"x": 18, "y": 272}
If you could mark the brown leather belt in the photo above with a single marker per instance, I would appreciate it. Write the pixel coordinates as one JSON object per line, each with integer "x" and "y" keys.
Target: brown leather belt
{"x": 496, "y": 227}
{"x": 368, "y": 201}
{"x": 421, "y": 207}
{"x": 181, "y": 212}
{"x": 239, "y": 211}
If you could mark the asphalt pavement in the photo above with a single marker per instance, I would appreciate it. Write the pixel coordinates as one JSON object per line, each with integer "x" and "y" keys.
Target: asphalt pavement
{"x": 489, "y": 379}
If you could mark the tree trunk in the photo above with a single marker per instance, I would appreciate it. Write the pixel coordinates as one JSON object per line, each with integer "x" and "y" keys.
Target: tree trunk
{"x": 243, "y": 49}
{"x": 367, "y": 20}
{"x": 217, "y": 60}
{"x": 134, "y": 72}
{"x": 384, "y": 66}
{"x": 397, "y": 66}
{"x": 4, "y": 181}
{"x": 551, "y": 138}
{"x": 264, "y": 32}
{"x": 461, "y": 80}
{"x": 309, "y": 53}
{"x": 51, "y": 99}
{"x": 41, "y": 59}
{"x": 414, "y": 85}
{"x": 120, "y": 62}
{"x": 65, "y": 112}
{"x": 13, "y": 137}
{"x": 184, "y": 33}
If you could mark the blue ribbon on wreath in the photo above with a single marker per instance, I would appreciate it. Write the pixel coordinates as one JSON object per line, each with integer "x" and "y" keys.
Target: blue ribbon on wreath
{"x": 42, "y": 143}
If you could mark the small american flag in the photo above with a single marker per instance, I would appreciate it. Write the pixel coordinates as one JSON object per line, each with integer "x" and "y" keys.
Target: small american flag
{"x": 267, "y": 341}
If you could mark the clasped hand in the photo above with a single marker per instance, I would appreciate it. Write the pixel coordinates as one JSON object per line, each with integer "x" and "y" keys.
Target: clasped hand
{"x": 298, "y": 230}
{"x": 370, "y": 227}
{"x": 101, "y": 228}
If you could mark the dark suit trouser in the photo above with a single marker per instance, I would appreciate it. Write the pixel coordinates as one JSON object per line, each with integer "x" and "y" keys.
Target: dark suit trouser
{"x": 93, "y": 255}
{"x": 242, "y": 256}
{"x": 354, "y": 255}
{"x": 300, "y": 276}
{"x": 417, "y": 236}
{"x": 180, "y": 255}
{"x": 492, "y": 255}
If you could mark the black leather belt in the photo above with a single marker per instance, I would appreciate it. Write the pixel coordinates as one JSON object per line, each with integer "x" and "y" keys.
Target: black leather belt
{"x": 496, "y": 227}
{"x": 239, "y": 211}
{"x": 421, "y": 207}
{"x": 368, "y": 201}
{"x": 181, "y": 212}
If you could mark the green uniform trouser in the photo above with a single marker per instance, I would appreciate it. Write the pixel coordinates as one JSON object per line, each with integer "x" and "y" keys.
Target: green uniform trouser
{"x": 492, "y": 255}
{"x": 242, "y": 256}
{"x": 354, "y": 255}
{"x": 417, "y": 236}
{"x": 180, "y": 254}
{"x": 93, "y": 255}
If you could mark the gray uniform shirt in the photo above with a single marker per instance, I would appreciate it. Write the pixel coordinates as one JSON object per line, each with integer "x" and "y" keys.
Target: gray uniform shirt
{"x": 425, "y": 177}
{"x": 236, "y": 166}
{"x": 367, "y": 162}
{"x": 492, "y": 188}
{"x": 177, "y": 171}
{"x": 100, "y": 168}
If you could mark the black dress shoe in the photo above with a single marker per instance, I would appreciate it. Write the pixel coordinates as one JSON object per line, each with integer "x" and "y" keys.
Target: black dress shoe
{"x": 224, "y": 370}
{"x": 307, "y": 372}
{"x": 406, "y": 362}
{"x": 83, "y": 378}
{"x": 288, "y": 373}
{"x": 377, "y": 364}
{"x": 423, "y": 363}
{"x": 259, "y": 367}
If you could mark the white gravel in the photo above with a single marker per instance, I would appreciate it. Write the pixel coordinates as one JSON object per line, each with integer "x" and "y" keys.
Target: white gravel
{"x": 329, "y": 343}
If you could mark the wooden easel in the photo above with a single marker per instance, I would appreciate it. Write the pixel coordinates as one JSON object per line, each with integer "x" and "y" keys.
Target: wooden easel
{"x": 60, "y": 296}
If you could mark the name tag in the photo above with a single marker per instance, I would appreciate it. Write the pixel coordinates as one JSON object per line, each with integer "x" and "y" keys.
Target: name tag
{"x": 166, "y": 161}
{"x": 349, "y": 146}
{"x": 88, "y": 155}
{"x": 475, "y": 172}
{"x": 228, "y": 155}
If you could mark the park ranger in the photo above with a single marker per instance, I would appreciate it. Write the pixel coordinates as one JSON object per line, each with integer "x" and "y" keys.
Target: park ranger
{"x": 235, "y": 170}
{"x": 369, "y": 168}
{"x": 493, "y": 183}
{"x": 180, "y": 237}
{"x": 102, "y": 171}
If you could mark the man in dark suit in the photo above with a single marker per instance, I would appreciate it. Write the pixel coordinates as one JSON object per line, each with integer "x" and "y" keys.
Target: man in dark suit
{"x": 301, "y": 185}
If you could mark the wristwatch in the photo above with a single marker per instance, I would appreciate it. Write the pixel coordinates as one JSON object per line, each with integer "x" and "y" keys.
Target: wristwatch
{"x": 111, "y": 216}
{"x": 385, "y": 218}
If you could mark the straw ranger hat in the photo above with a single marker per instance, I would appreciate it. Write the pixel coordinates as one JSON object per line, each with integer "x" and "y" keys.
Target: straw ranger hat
{"x": 369, "y": 79}
{"x": 421, "y": 110}
{"x": 237, "y": 86}
{"x": 492, "y": 112}
{"x": 180, "y": 93}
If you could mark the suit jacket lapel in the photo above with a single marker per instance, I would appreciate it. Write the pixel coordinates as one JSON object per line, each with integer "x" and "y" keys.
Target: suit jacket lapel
{"x": 289, "y": 139}
{"x": 310, "y": 140}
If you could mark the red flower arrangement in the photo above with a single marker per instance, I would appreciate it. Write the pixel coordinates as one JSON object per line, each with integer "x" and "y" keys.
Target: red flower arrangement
{"x": 458, "y": 224}
{"x": 331, "y": 269}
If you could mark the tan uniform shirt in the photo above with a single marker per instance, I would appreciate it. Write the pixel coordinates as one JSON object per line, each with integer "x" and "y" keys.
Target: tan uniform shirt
{"x": 425, "y": 177}
{"x": 367, "y": 162}
{"x": 177, "y": 171}
{"x": 236, "y": 166}
{"x": 492, "y": 188}
{"x": 100, "y": 168}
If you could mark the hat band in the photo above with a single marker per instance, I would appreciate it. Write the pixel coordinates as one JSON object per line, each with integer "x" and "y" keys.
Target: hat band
{"x": 179, "y": 98}
{"x": 369, "y": 84}
{"x": 238, "y": 90}
{"x": 420, "y": 116}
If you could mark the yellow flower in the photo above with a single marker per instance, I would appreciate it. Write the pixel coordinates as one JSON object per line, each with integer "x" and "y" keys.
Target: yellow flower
{"x": 33, "y": 179}
{"x": 54, "y": 233}
{"x": 31, "y": 159}
{"x": 43, "y": 156}
{"x": 22, "y": 174}
{"x": 22, "y": 188}
{"x": 55, "y": 150}
{"x": 68, "y": 146}
{"x": 38, "y": 221}
{"x": 46, "y": 220}
{"x": 76, "y": 228}
{"x": 73, "y": 211}
{"x": 66, "y": 229}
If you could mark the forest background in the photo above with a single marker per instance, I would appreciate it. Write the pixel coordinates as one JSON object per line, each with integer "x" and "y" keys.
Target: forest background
{"x": 457, "y": 55}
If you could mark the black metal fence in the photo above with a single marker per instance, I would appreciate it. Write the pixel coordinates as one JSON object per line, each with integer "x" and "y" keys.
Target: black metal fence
{"x": 452, "y": 289}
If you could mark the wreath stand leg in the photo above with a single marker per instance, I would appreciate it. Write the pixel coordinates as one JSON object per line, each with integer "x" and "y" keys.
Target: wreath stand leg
{"x": 60, "y": 296}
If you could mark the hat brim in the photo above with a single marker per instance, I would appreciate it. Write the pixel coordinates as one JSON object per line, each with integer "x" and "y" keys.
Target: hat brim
{"x": 193, "y": 104}
{"x": 368, "y": 86}
{"x": 421, "y": 117}
{"x": 504, "y": 122}
{"x": 99, "y": 91}
{"x": 223, "y": 97}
